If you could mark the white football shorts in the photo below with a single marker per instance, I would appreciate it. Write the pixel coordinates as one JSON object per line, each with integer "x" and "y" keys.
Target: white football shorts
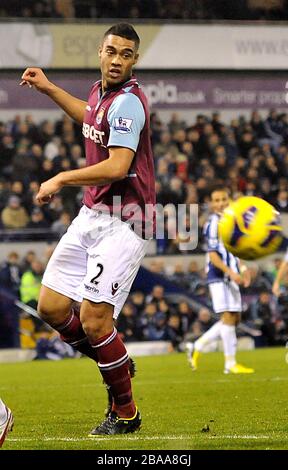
{"x": 225, "y": 297}
{"x": 96, "y": 259}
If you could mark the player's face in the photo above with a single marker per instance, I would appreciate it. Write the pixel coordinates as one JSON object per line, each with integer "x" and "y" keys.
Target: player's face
{"x": 117, "y": 57}
{"x": 219, "y": 201}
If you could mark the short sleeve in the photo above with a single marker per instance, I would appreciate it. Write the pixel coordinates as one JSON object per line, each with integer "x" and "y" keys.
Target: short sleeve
{"x": 212, "y": 235}
{"x": 126, "y": 118}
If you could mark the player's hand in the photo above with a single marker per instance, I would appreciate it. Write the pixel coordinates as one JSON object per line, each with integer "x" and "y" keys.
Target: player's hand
{"x": 48, "y": 189}
{"x": 246, "y": 276}
{"x": 276, "y": 288}
{"x": 34, "y": 76}
{"x": 236, "y": 278}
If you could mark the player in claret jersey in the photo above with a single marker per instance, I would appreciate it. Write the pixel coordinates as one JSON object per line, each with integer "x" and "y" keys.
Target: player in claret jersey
{"x": 98, "y": 258}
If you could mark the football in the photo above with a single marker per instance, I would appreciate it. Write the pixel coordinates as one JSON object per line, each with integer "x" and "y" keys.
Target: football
{"x": 250, "y": 228}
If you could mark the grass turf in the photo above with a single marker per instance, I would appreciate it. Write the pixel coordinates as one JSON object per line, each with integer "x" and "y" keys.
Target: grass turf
{"x": 55, "y": 404}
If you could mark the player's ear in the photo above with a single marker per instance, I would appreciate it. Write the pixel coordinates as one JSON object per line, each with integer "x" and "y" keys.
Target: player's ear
{"x": 136, "y": 57}
{"x": 100, "y": 51}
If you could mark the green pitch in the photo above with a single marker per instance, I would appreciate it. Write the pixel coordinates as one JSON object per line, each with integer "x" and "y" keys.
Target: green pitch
{"x": 55, "y": 404}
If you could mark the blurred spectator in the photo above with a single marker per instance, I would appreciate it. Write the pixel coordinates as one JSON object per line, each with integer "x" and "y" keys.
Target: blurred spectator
{"x": 27, "y": 260}
{"x": 37, "y": 219}
{"x": 10, "y": 273}
{"x": 17, "y": 189}
{"x": 281, "y": 202}
{"x": 30, "y": 287}
{"x": 7, "y": 149}
{"x": 156, "y": 296}
{"x": 174, "y": 332}
{"x": 50, "y": 346}
{"x": 49, "y": 249}
{"x": 264, "y": 315}
{"x": 4, "y": 194}
{"x": 156, "y": 328}
{"x": 202, "y": 324}
{"x": 176, "y": 123}
{"x": 273, "y": 270}
{"x": 205, "y": 319}
{"x": 61, "y": 225}
{"x": 192, "y": 276}
{"x": 14, "y": 216}
{"x": 147, "y": 322}
{"x": 138, "y": 300}
{"x": 259, "y": 280}
{"x": 47, "y": 170}
{"x": 55, "y": 209}
{"x": 178, "y": 274}
{"x": 185, "y": 317}
{"x": 127, "y": 323}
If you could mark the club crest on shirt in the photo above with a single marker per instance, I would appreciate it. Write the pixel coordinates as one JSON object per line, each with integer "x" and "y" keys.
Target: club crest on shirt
{"x": 115, "y": 287}
{"x": 122, "y": 125}
{"x": 100, "y": 115}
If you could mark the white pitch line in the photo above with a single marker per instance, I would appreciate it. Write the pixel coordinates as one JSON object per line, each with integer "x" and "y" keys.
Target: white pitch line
{"x": 238, "y": 437}
{"x": 271, "y": 379}
{"x": 104, "y": 438}
{"x": 136, "y": 438}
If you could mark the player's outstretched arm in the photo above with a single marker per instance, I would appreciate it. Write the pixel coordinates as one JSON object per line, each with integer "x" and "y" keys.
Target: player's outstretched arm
{"x": 245, "y": 274}
{"x": 112, "y": 169}
{"x": 279, "y": 277}
{"x": 74, "y": 107}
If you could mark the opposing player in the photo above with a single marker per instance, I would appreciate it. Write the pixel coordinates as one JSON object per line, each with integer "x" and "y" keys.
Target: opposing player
{"x": 98, "y": 258}
{"x": 6, "y": 421}
{"x": 224, "y": 276}
{"x": 276, "y": 288}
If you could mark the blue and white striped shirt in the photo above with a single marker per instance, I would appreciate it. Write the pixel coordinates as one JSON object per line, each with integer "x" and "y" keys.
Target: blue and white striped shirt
{"x": 215, "y": 244}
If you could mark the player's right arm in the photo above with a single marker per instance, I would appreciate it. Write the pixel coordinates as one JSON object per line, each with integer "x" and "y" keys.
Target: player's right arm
{"x": 279, "y": 277}
{"x": 216, "y": 260}
{"x": 213, "y": 245}
{"x": 74, "y": 107}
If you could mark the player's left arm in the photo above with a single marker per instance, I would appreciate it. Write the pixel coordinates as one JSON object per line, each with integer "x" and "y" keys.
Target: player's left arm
{"x": 245, "y": 274}
{"x": 279, "y": 276}
{"x": 126, "y": 118}
{"x": 113, "y": 169}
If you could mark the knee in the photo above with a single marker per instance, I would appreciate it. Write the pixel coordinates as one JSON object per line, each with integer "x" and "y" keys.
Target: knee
{"x": 51, "y": 312}
{"x": 231, "y": 319}
{"x": 96, "y": 319}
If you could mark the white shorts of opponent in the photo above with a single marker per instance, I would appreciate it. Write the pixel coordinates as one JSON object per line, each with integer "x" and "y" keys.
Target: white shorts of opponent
{"x": 225, "y": 296}
{"x": 97, "y": 259}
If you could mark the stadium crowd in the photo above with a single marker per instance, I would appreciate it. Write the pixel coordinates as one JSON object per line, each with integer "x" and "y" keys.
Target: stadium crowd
{"x": 249, "y": 155}
{"x": 150, "y": 316}
{"x": 156, "y": 9}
